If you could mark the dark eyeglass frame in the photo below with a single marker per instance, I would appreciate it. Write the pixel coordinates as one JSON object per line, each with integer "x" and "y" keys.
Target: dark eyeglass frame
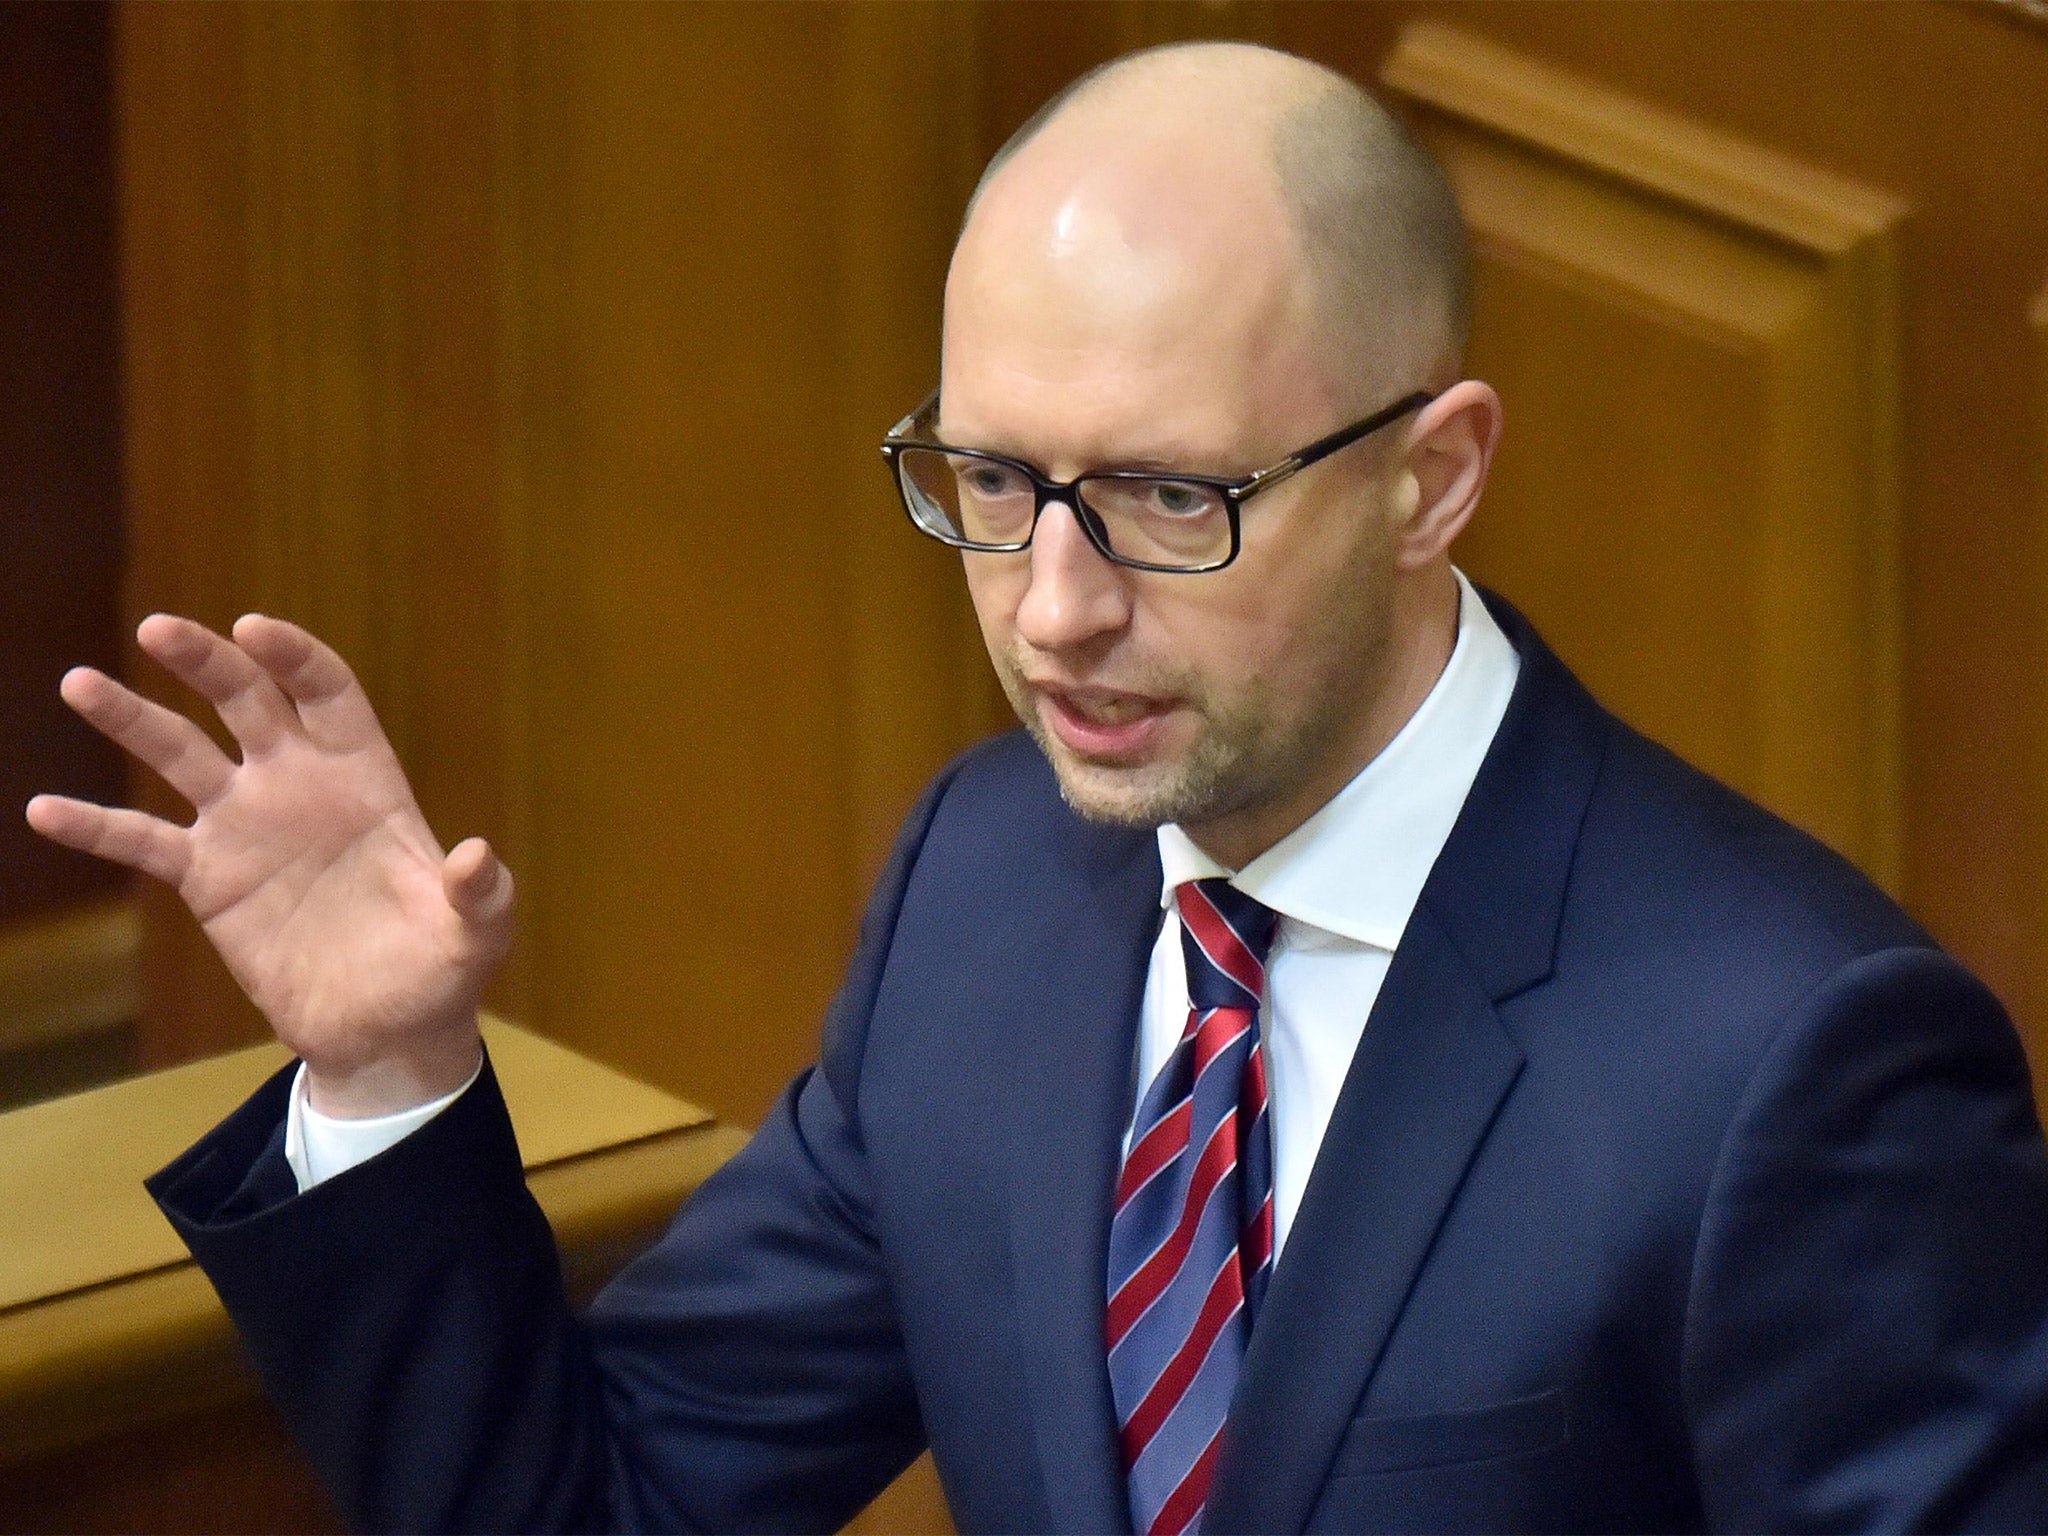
{"x": 1235, "y": 491}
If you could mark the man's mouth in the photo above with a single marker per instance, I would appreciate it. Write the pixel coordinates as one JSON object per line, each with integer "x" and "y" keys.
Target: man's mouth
{"x": 1101, "y": 723}
{"x": 1110, "y": 711}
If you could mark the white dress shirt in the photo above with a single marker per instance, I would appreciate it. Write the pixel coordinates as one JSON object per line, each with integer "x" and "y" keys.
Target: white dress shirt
{"x": 317, "y": 1146}
{"x": 1344, "y": 883}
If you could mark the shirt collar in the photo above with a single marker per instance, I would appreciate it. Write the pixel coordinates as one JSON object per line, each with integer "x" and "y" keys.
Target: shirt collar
{"x": 1357, "y": 867}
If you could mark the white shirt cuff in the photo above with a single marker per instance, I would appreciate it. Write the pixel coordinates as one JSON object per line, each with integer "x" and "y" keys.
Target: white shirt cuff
{"x": 319, "y": 1146}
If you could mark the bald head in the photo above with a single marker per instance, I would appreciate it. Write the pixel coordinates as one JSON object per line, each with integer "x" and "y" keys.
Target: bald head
{"x": 1366, "y": 219}
{"x": 1194, "y": 264}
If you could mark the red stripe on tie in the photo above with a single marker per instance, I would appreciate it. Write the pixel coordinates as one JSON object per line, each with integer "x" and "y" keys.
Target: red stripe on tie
{"x": 1219, "y": 940}
{"x": 1156, "y": 1149}
{"x": 1226, "y": 1296}
{"x": 1152, "y": 1277}
{"x": 1221, "y": 1029}
{"x": 1184, "y": 1505}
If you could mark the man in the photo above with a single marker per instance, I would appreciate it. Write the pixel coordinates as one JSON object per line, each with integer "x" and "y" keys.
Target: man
{"x": 1341, "y": 1079}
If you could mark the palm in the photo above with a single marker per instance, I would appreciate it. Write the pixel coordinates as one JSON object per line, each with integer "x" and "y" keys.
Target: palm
{"x": 318, "y": 882}
{"x": 308, "y": 862}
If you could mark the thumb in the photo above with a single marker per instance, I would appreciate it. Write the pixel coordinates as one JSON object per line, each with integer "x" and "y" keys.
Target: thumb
{"x": 478, "y": 885}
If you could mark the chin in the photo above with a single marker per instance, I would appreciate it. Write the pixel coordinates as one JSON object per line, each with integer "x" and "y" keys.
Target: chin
{"x": 1145, "y": 796}
{"x": 1111, "y": 806}
{"x": 1117, "y": 797}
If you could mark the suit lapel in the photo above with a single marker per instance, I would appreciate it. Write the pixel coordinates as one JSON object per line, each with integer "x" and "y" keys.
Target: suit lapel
{"x": 1430, "y": 1074}
{"x": 1431, "y": 1069}
{"x": 1075, "y": 1035}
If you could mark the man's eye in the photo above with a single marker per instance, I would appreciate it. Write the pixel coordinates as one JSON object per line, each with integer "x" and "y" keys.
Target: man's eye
{"x": 990, "y": 480}
{"x": 1178, "y": 500}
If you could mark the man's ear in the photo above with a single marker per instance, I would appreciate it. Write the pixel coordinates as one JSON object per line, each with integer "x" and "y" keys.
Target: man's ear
{"x": 1445, "y": 460}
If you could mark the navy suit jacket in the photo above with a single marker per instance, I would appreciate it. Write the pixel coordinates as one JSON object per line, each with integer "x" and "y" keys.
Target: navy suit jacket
{"x": 1679, "y": 1182}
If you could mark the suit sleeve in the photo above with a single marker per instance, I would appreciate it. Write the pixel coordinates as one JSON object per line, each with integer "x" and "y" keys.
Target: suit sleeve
{"x": 746, "y": 1373}
{"x": 1867, "y": 1329}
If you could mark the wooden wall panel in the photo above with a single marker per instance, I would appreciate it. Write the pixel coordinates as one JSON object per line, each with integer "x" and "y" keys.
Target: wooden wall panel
{"x": 675, "y": 590}
{"x": 1946, "y": 107}
{"x": 734, "y": 663}
{"x": 185, "y": 375}
{"x": 1700, "y": 512}
{"x": 919, "y": 677}
{"x": 60, "y": 508}
{"x": 424, "y": 403}
{"x": 67, "y": 934}
{"x": 537, "y": 357}
{"x": 311, "y": 384}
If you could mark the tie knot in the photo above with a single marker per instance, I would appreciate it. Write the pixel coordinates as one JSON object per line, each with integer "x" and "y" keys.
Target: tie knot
{"x": 1225, "y": 935}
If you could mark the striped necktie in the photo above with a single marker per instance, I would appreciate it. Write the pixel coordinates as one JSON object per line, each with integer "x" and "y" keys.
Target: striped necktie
{"x": 1191, "y": 1242}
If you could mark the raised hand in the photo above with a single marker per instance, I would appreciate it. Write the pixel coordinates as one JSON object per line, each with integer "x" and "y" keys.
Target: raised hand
{"x": 308, "y": 864}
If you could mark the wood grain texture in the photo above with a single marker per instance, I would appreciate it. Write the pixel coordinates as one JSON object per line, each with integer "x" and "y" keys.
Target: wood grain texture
{"x": 1650, "y": 149}
{"x": 60, "y": 429}
{"x": 732, "y": 664}
{"x": 1871, "y": 93}
{"x": 565, "y": 435}
{"x": 918, "y": 675}
{"x": 1731, "y": 319}
{"x": 71, "y": 973}
{"x": 538, "y": 357}
{"x": 180, "y": 92}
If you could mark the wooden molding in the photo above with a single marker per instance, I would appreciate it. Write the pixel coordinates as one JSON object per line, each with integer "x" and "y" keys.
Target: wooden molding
{"x": 1642, "y": 146}
{"x": 68, "y": 974}
{"x": 105, "y": 1324}
{"x": 1701, "y": 338}
{"x": 2037, "y": 318}
{"x": 918, "y": 680}
{"x": 2030, "y": 14}
{"x": 536, "y": 398}
{"x": 327, "y": 386}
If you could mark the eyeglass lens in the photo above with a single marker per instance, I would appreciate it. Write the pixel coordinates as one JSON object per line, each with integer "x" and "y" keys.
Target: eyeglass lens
{"x": 967, "y": 499}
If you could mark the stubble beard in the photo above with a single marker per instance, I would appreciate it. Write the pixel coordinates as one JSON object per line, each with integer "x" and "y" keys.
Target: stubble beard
{"x": 1241, "y": 756}
{"x": 1223, "y": 771}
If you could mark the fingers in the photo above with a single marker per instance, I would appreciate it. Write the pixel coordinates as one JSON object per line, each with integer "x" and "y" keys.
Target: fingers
{"x": 176, "y": 748}
{"x": 331, "y": 703}
{"x": 126, "y": 837}
{"x": 478, "y": 885}
{"x": 249, "y": 703}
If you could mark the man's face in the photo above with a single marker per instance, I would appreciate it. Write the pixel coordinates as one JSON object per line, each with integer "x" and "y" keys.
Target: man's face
{"x": 1120, "y": 327}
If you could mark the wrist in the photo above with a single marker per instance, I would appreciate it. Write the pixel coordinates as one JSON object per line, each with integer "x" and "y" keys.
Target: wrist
{"x": 424, "y": 1071}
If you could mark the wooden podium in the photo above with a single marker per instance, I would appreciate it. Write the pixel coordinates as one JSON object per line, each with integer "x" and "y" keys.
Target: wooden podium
{"x": 125, "y": 1403}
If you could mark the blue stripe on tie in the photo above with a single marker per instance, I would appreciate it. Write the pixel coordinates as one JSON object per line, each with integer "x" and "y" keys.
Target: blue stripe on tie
{"x": 1150, "y": 1217}
{"x": 1193, "y": 1422}
{"x": 1156, "y": 1336}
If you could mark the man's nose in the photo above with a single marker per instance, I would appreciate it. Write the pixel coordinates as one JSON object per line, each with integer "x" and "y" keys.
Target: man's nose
{"x": 1075, "y": 595}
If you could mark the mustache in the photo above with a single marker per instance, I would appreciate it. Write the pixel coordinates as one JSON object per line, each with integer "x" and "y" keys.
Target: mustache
{"x": 1153, "y": 683}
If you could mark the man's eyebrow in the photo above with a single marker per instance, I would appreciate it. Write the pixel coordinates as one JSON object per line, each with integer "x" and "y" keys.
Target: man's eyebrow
{"x": 1154, "y": 463}
{"x": 1205, "y": 464}
{"x": 996, "y": 445}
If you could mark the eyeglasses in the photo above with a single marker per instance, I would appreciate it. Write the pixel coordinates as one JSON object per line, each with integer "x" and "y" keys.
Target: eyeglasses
{"x": 1151, "y": 522}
